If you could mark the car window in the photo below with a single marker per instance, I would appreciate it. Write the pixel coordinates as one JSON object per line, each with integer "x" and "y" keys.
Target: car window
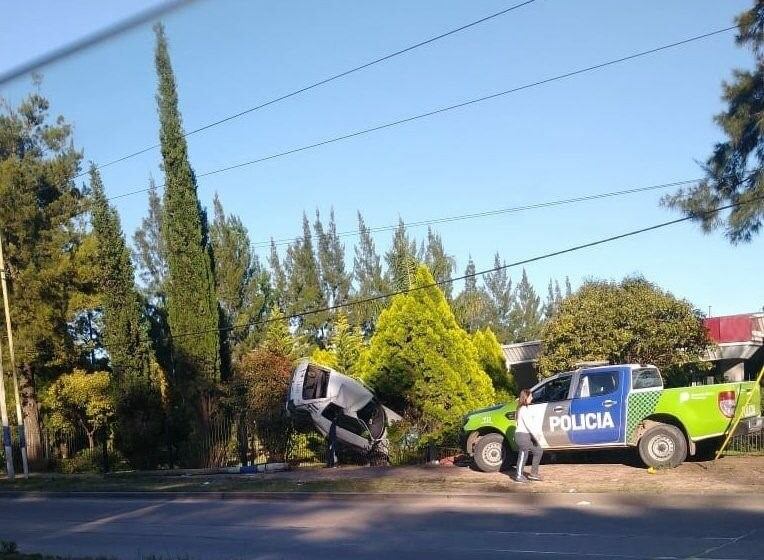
{"x": 597, "y": 383}
{"x": 646, "y": 378}
{"x": 553, "y": 390}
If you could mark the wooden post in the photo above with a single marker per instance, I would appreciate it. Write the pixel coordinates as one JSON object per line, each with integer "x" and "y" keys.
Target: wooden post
{"x": 12, "y": 354}
{"x": 6, "y": 428}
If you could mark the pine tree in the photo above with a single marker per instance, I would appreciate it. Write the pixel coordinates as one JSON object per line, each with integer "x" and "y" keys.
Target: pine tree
{"x": 39, "y": 202}
{"x": 401, "y": 259}
{"x": 568, "y": 288}
{"x": 278, "y": 276}
{"x": 149, "y": 253}
{"x": 335, "y": 281}
{"x": 243, "y": 288}
{"x": 367, "y": 271}
{"x": 191, "y": 303}
{"x": 553, "y": 299}
{"x": 472, "y": 306}
{"x": 498, "y": 286}
{"x": 734, "y": 173}
{"x": 441, "y": 264}
{"x": 304, "y": 286}
{"x": 420, "y": 360}
{"x": 526, "y": 312}
{"x": 125, "y": 327}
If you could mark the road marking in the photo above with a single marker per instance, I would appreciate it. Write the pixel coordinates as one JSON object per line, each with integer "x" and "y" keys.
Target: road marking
{"x": 715, "y": 548}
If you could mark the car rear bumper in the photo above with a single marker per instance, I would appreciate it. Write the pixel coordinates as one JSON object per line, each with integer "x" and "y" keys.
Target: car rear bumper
{"x": 750, "y": 425}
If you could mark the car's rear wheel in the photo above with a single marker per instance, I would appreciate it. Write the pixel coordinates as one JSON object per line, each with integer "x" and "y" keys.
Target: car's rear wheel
{"x": 490, "y": 452}
{"x": 663, "y": 445}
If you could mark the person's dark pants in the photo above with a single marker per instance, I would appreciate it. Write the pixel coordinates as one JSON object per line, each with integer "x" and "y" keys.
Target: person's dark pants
{"x": 526, "y": 446}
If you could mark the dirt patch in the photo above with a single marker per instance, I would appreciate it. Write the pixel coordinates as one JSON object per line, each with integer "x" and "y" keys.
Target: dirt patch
{"x": 728, "y": 475}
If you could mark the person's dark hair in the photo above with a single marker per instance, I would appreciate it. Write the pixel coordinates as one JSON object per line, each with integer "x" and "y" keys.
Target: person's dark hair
{"x": 523, "y": 398}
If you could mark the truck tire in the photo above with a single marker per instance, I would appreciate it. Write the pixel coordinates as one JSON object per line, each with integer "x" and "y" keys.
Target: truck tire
{"x": 490, "y": 452}
{"x": 663, "y": 446}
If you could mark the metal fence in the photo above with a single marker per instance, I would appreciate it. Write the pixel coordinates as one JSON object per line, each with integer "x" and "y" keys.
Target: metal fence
{"x": 750, "y": 444}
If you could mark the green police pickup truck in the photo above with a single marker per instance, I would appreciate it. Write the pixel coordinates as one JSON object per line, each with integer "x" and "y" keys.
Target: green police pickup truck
{"x": 616, "y": 406}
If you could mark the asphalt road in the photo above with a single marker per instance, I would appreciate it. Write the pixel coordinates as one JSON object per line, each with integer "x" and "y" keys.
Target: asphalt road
{"x": 517, "y": 526}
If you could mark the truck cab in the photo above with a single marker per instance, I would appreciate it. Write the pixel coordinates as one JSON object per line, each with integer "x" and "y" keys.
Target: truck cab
{"x": 612, "y": 406}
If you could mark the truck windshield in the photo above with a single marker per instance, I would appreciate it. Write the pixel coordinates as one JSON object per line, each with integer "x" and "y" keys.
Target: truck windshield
{"x": 553, "y": 390}
{"x": 646, "y": 378}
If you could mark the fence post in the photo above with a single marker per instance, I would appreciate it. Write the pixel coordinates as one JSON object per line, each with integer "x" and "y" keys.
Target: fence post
{"x": 331, "y": 456}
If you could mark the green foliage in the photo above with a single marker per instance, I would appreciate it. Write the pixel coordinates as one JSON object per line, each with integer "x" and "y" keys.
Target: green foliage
{"x": 243, "y": 287}
{"x": 262, "y": 378}
{"x": 150, "y": 254}
{"x": 80, "y": 400}
{"x": 303, "y": 288}
{"x": 367, "y": 271}
{"x": 402, "y": 259}
{"x": 344, "y": 348}
{"x": 125, "y": 328}
{"x": 554, "y": 297}
{"x": 140, "y": 429}
{"x": 472, "y": 306}
{"x": 628, "y": 322}
{"x": 439, "y": 262}
{"x": 419, "y": 359}
{"x": 191, "y": 303}
{"x": 492, "y": 361}
{"x": 498, "y": 286}
{"x": 278, "y": 278}
{"x": 335, "y": 281}
{"x": 525, "y": 315}
{"x": 734, "y": 172}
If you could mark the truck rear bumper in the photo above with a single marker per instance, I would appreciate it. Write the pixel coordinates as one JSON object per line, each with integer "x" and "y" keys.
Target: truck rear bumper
{"x": 749, "y": 426}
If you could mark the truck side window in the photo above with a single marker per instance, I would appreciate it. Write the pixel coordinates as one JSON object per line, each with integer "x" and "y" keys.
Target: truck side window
{"x": 646, "y": 378}
{"x": 597, "y": 384}
{"x": 554, "y": 390}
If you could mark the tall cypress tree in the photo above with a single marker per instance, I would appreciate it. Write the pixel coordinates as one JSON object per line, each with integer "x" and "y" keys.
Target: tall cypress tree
{"x": 401, "y": 259}
{"x": 125, "y": 327}
{"x": 278, "y": 276}
{"x": 335, "y": 281}
{"x": 498, "y": 286}
{"x": 472, "y": 307}
{"x": 191, "y": 303}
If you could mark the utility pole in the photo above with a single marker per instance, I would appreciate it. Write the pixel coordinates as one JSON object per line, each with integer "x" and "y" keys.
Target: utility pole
{"x": 6, "y": 428}
{"x": 12, "y": 354}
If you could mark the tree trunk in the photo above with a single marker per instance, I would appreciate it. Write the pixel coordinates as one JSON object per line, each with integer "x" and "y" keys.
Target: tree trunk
{"x": 32, "y": 422}
{"x": 91, "y": 440}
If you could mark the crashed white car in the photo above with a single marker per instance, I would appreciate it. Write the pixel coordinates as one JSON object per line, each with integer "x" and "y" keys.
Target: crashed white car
{"x": 320, "y": 393}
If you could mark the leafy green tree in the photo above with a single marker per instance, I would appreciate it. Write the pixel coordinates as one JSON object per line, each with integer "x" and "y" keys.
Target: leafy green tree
{"x": 150, "y": 254}
{"x": 472, "y": 306}
{"x": 498, "y": 286}
{"x": 367, "y": 271}
{"x": 243, "y": 287}
{"x": 48, "y": 280}
{"x": 734, "y": 172}
{"x": 441, "y": 264}
{"x": 80, "y": 400}
{"x": 191, "y": 300}
{"x": 526, "y": 311}
{"x": 419, "y": 359}
{"x": 304, "y": 291}
{"x": 402, "y": 259}
{"x": 125, "y": 328}
{"x": 335, "y": 281}
{"x": 632, "y": 321}
{"x": 493, "y": 362}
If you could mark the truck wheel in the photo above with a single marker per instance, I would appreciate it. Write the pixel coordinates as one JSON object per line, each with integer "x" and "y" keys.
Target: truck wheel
{"x": 490, "y": 452}
{"x": 663, "y": 445}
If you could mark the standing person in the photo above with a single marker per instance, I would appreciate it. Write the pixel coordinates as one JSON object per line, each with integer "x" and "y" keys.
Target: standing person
{"x": 525, "y": 441}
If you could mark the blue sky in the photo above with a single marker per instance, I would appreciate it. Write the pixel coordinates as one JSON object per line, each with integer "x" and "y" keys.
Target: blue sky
{"x": 640, "y": 123}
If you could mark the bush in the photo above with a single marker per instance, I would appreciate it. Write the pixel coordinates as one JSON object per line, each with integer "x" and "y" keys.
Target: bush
{"x": 140, "y": 430}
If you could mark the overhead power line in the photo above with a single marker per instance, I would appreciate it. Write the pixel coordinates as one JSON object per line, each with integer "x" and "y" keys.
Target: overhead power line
{"x": 447, "y": 108}
{"x": 514, "y": 264}
{"x": 91, "y": 40}
{"x": 324, "y": 81}
{"x": 495, "y": 212}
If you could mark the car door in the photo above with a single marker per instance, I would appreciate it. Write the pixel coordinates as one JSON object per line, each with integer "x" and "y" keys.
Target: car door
{"x": 598, "y": 407}
{"x": 550, "y": 404}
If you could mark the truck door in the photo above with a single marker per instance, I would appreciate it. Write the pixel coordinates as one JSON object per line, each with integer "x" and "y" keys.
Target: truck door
{"x": 598, "y": 406}
{"x": 550, "y": 405}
